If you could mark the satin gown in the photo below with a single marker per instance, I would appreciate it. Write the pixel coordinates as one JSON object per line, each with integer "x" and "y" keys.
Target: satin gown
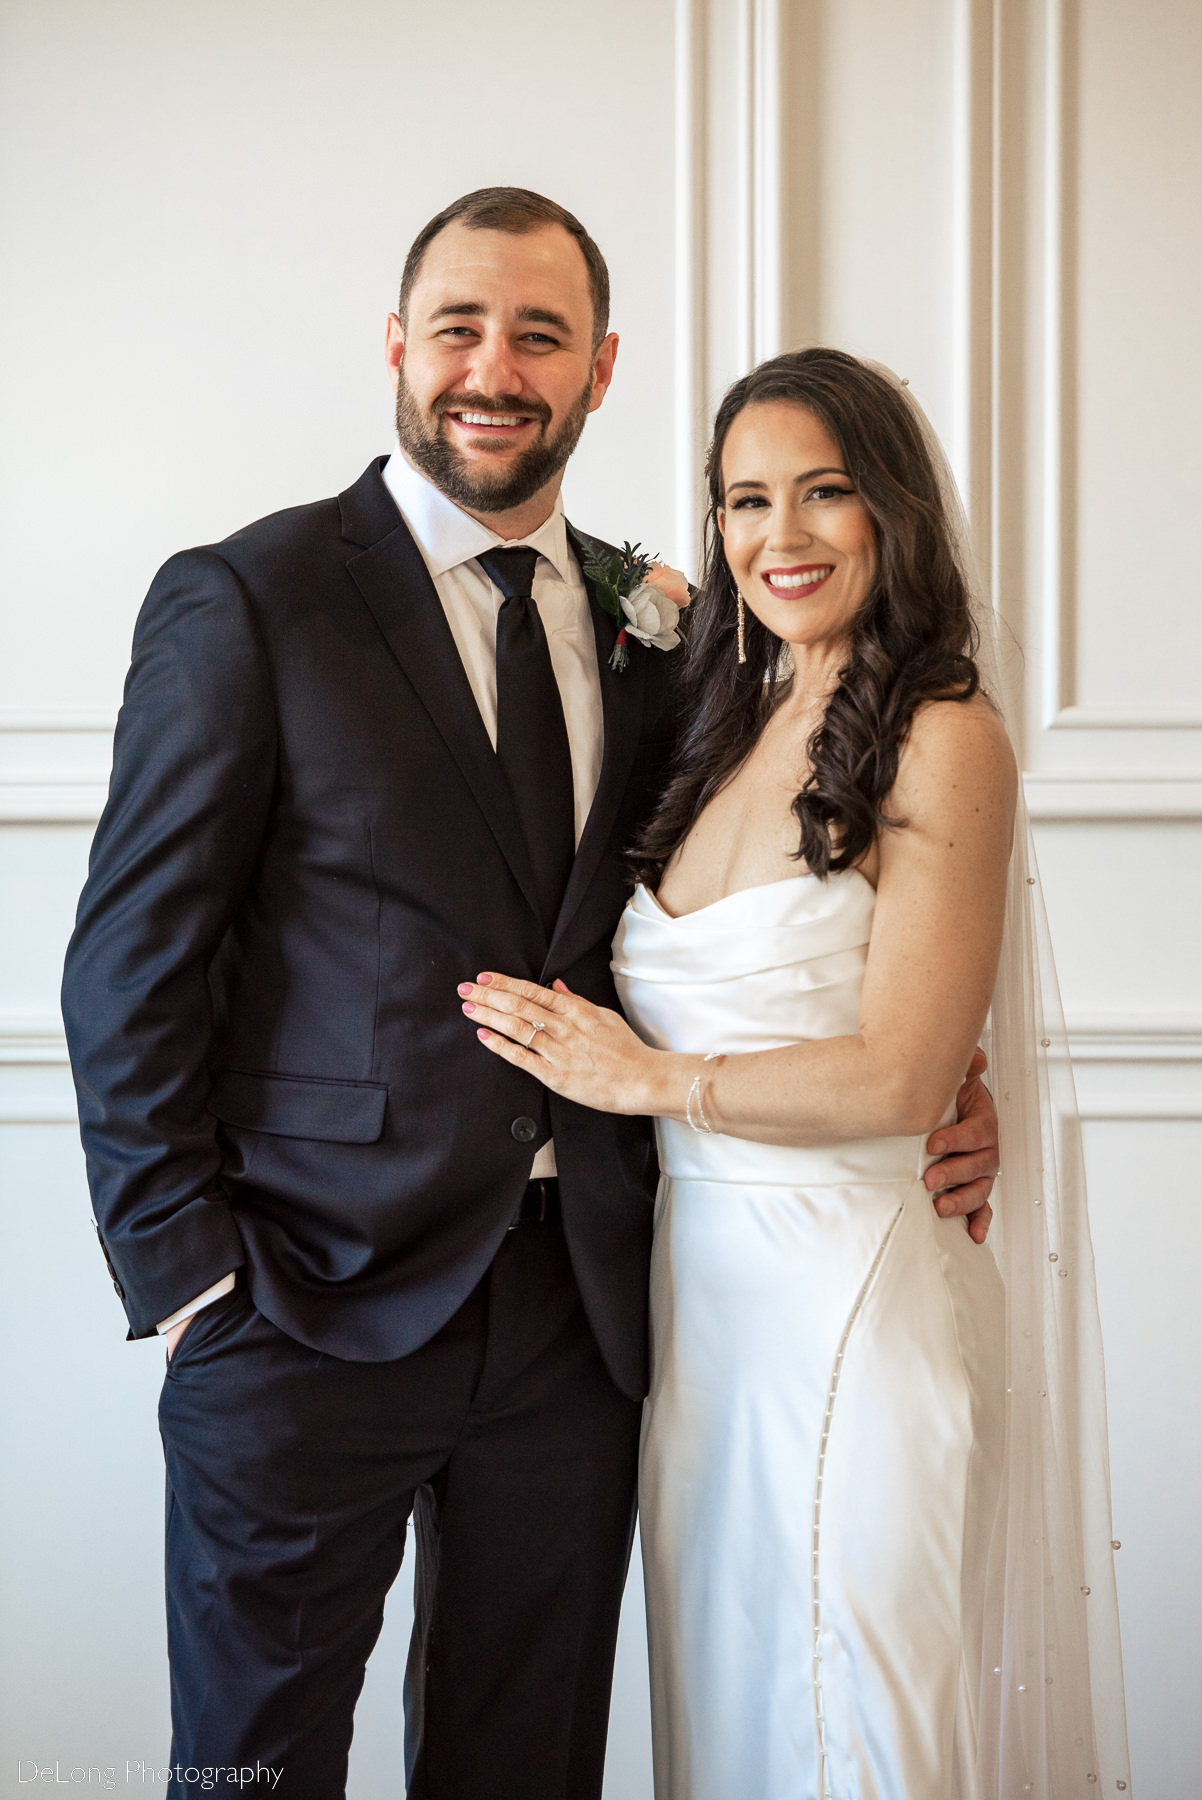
{"x": 823, "y": 1437}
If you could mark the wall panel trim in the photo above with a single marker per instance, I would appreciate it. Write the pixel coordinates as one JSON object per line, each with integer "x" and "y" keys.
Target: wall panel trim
{"x": 35, "y": 1083}
{"x": 1116, "y": 797}
{"x": 690, "y": 307}
{"x": 54, "y": 769}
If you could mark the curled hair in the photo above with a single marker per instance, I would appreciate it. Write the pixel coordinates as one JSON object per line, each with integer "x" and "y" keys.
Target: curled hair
{"x": 913, "y": 639}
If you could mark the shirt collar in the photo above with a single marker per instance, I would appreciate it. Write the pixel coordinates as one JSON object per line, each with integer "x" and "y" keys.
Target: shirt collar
{"x": 447, "y": 536}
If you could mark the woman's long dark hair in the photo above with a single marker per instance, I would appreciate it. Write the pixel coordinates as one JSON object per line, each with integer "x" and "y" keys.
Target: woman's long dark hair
{"x": 913, "y": 640}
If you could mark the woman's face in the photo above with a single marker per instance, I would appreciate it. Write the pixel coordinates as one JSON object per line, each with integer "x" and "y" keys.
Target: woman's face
{"x": 798, "y": 538}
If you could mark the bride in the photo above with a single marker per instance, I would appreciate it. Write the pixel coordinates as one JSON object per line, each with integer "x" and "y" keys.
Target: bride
{"x": 856, "y": 1494}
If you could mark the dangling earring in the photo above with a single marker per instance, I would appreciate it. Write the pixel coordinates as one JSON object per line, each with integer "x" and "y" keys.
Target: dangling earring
{"x": 742, "y": 630}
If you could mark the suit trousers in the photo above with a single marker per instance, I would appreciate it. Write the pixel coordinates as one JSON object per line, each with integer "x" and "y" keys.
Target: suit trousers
{"x": 291, "y": 1476}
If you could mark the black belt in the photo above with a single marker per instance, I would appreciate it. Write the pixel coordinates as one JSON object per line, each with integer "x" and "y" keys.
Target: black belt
{"x": 539, "y": 1201}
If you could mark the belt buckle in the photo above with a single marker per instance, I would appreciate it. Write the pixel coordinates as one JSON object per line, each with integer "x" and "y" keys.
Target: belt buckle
{"x": 525, "y": 1214}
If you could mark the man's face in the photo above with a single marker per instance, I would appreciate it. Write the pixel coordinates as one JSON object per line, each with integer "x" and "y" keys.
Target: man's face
{"x": 494, "y": 370}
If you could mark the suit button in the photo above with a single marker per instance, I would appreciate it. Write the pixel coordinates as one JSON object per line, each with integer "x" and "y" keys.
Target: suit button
{"x": 118, "y": 1289}
{"x": 524, "y": 1130}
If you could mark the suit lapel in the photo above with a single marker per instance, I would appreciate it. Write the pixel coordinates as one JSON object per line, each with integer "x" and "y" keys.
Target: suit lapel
{"x": 394, "y": 581}
{"x": 392, "y": 577}
{"x": 622, "y": 712}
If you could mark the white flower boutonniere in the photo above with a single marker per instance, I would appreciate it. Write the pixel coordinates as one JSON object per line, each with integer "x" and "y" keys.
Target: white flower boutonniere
{"x": 652, "y": 616}
{"x": 644, "y": 596}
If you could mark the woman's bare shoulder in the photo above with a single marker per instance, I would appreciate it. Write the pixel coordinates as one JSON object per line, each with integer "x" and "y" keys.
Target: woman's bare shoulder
{"x": 957, "y": 754}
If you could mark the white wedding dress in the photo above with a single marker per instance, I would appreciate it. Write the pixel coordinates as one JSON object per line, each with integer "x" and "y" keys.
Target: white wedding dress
{"x": 823, "y": 1439}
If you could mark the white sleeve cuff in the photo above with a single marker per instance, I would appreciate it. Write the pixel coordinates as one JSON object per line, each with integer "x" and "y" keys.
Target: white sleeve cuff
{"x": 224, "y": 1286}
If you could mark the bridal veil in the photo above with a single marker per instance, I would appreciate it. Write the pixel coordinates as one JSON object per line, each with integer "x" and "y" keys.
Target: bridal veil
{"x": 1051, "y": 1719}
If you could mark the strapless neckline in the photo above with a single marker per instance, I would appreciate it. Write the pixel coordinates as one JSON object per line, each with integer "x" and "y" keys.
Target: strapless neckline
{"x": 759, "y": 887}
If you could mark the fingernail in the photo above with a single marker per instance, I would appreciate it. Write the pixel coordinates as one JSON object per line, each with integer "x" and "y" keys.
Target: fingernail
{"x": 468, "y": 1007}
{"x": 937, "y": 1146}
{"x": 943, "y": 1208}
{"x": 483, "y": 1036}
{"x": 483, "y": 980}
{"x": 465, "y": 988}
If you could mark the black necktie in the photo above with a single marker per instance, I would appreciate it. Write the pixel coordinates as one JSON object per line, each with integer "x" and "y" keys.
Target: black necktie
{"x": 532, "y": 739}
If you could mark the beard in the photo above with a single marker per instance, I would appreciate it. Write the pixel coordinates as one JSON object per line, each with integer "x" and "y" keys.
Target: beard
{"x": 425, "y": 443}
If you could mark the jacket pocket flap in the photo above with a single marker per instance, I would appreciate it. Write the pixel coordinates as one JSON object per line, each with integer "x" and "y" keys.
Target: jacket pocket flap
{"x": 336, "y": 1112}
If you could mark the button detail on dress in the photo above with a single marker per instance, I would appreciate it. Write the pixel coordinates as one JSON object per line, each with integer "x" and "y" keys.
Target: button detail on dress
{"x": 118, "y": 1289}
{"x": 524, "y": 1130}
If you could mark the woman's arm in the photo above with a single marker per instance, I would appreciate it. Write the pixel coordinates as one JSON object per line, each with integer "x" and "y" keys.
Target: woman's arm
{"x": 931, "y": 965}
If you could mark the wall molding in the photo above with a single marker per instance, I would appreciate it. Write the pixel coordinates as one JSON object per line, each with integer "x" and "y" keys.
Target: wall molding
{"x": 1130, "y": 1037}
{"x": 973, "y": 450}
{"x": 729, "y": 58}
{"x": 1058, "y": 523}
{"x": 32, "y": 1038}
{"x": 36, "y": 1088}
{"x": 86, "y": 719}
{"x": 1126, "y": 718}
{"x": 72, "y": 801}
{"x": 35, "y": 1076}
{"x": 1062, "y": 708}
{"x": 54, "y": 770}
{"x": 765, "y": 176}
{"x": 54, "y": 767}
{"x": 1120, "y": 798}
{"x": 689, "y": 254}
{"x": 1143, "y": 1109}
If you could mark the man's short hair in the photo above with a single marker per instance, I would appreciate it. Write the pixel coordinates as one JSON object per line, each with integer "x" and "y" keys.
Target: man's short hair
{"x": 516, "y": 210}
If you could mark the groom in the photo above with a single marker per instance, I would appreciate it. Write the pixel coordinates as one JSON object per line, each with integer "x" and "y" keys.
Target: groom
{"x": 366, "y": 745}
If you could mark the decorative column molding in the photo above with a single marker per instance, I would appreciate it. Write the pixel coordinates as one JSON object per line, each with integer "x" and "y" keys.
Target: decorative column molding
{"x": 729, "y": 236}
{"x": 766, "y": 197}
{"x": 1060, "y": 600}
{"x": 1057, "y": 525}
{"x": 972, "y": 450}
{"x": 690, "y": 247}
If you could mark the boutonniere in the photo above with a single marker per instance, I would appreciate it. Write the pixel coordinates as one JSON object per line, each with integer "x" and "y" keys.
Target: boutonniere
{"x": 644, "y": 595}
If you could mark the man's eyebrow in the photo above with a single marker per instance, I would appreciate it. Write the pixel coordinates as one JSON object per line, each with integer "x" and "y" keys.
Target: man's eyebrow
{"x": 476, "y": 309}
{"x": 469, "y": 309}
{"x": 541, "y": 315}
{"x": 808, "y": 476}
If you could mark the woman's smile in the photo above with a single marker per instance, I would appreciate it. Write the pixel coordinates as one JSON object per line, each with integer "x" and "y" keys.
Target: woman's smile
{"x": 797, "y": 581}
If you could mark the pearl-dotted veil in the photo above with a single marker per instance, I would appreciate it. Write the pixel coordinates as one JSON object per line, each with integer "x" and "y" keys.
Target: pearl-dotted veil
{"x": 1051, "y": 1720}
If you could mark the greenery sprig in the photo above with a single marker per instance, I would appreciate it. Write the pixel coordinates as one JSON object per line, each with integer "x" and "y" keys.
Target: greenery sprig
{"x": 617, "y": 577}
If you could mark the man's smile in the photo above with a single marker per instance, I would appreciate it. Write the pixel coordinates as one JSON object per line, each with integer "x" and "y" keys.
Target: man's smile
{"x": 477, "y": 425}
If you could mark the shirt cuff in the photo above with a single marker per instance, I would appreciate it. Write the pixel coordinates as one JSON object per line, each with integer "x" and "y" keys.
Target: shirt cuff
{"x": 224, "y": 1286}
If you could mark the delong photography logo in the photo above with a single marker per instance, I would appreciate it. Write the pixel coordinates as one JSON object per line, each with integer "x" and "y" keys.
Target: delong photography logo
{"x": 57, "y": 1774}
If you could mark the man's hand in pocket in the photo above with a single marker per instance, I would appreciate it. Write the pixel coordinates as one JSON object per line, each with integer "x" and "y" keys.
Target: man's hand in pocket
{"x": 171, "y": 1338}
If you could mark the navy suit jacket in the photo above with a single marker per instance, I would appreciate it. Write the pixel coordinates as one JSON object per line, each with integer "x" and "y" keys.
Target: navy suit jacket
{"x": 307, "y": 844}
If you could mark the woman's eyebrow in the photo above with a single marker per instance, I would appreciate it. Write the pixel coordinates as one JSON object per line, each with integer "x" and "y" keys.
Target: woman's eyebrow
{"x": 808, "y": 476}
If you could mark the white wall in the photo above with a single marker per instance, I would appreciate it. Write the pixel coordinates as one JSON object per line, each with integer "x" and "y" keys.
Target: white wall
{"x": 204, "y": 214}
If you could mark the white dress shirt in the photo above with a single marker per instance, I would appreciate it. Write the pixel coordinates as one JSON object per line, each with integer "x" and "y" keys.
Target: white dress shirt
{"x": 450, "y": 540}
